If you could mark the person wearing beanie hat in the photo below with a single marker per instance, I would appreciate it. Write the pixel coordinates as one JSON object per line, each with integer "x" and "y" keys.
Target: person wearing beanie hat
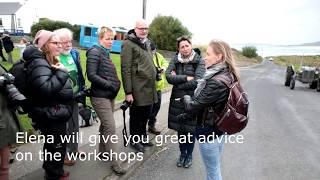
{"x": 42, "y": 37}
{"x": 50, "y": 95}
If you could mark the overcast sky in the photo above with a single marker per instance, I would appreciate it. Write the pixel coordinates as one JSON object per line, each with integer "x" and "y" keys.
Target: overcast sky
{"x": 235, "y": 21}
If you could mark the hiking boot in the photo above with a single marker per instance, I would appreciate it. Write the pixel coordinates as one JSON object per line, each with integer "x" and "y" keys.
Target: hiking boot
{"x": 154, "y": 130}
{"x": 137, "y": 146}
{"x": 180, "y": 161}
{"x": 187, "y": 162}
{"x": 118, "y": 169}
{"x": 68, "y": 162}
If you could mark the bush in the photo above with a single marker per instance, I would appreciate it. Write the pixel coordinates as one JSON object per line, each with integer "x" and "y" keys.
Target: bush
{"x": 51, "y": 25}
{"x": 249, "y": 51}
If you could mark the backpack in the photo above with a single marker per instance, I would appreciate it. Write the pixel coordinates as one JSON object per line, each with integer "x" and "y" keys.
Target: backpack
{"x": 86, "y": 116}
{"x": 234, "y": 116}
{"x": 19, "y": 71}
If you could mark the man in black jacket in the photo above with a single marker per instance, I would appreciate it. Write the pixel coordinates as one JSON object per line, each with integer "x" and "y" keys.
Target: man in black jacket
{"x": 1, "y": 47}
{"x": 8, "y": 46}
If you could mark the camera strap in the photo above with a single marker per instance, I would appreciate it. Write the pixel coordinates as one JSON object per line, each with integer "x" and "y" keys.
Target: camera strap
{"x": 157, "y": 60}
{"x": 124, "y": 130}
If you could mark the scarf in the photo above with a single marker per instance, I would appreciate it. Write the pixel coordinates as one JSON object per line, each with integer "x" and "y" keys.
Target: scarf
{"x": 188, "y": 59}
{"x": 210, "y": 72}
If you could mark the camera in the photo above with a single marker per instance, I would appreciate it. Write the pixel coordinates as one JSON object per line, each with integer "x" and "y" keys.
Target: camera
{"x": 13, "y": 94}
{"x": 125, "y": 104}
{"x": 158, "y": 75}
{"x": 84, "y": 92}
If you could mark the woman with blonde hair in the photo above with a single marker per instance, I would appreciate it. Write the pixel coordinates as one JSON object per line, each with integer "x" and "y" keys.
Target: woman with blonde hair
{"x": 105, "y": 86}
{"x": 50, "y": 94}
{"x": 211, "y": 95}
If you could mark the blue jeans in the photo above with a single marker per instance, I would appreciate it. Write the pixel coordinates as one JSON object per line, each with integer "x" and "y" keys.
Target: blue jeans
{"x": 211, "y": 155}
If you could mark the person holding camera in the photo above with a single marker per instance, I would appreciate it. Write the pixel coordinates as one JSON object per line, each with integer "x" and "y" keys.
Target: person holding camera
{"x": 161, "y": 64}
{"x": 138, "y": 77}
{"x": 9, "y": 125}
{"x": 105, "y": 86}
{"x": 183, "y": 72}
{"x": 70, "y": 58}
{"x": 50, "y": 95}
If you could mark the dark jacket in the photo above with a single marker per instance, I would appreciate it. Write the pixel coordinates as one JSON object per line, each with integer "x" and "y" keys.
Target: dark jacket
{"x": 138, "y": 71}
{"x": 102, "y": 73}
{"x": 181, "y": 87}
{"x": 211, "y": 99}
{"x": 76, "y": 58}
{"x": 48, "y": 90}
{"x": 9, "y": 123}
{"x": 7, "y": 44}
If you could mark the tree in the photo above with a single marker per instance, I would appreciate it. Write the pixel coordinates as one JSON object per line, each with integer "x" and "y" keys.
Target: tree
{"x": 51, "y": 25}
{"x": 164, "y": 31}
{"x": 249, "y": 51}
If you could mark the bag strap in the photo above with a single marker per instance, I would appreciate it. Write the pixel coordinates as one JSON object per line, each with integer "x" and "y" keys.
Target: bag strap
{"x": 124, "y": 130}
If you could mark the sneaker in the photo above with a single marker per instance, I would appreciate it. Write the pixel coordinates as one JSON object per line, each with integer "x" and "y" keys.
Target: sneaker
{"x": 153, "y": 130}
{"x": 118, "y": 169}
{"x": 180, "y": 161}
{"x": 137, "y": 146}
{"x": 149, "y": 143}
{"x": 188, "y": 162}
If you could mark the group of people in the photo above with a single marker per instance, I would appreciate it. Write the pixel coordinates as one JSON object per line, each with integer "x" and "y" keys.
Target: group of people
{"x": 55, "y": 76}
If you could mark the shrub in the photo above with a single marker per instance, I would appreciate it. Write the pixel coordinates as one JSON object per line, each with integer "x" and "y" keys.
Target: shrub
{"x": 249, "y": 51}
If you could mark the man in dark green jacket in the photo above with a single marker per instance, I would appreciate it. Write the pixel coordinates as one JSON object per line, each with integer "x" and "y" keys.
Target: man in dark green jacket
{"x": 138, "y": 77}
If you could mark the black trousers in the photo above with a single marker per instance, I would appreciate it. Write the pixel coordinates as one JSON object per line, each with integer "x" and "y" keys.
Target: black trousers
{"x": 154, "y": 111}
{"x": 54, "y": 169}
{"x": 138, "y": 119}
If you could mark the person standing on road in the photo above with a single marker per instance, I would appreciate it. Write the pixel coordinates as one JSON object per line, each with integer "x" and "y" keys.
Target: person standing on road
{"x": 105, "y": 86}
{"x": 1, "y": 47}
{"x": 138, "y": 77}
{"x": 50, "y": 94}
{"x": 161, "y": 64}
{"x": 211, "y": 94}
{"x": 183, "y": 72}
{"x": 9, "y": 126}
{"x": 70, "y": 58}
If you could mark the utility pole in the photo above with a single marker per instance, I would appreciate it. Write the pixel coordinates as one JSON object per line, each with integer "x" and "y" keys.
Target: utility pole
{"x": 144, "y": 9}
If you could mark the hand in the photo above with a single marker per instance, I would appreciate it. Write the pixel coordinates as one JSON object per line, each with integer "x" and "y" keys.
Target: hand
{"x": 189, "y": 78}
{"x": 59, "y": 66}
{"x": 129, "y": 98}
{"x": 173, "y": 73}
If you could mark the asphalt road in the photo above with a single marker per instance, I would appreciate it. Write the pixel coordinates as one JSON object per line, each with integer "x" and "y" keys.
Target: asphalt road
{"x": 281, "y": 141}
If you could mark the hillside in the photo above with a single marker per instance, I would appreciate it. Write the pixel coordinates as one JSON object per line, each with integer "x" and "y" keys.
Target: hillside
{"x": 311, "y": 44}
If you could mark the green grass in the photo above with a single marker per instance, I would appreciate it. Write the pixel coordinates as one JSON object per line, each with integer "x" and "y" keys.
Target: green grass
{"x": 297, "y": 61}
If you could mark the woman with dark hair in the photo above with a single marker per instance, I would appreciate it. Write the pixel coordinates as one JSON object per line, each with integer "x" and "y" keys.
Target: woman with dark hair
{"x": 210, "y": 98}
{"x": 50, "y": 93}
{"x": 184, "y": 70}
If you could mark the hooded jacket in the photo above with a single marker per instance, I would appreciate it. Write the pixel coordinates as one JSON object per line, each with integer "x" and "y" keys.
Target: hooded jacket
{"x": 49, "y": 90}
{"x": 138, "y": 71}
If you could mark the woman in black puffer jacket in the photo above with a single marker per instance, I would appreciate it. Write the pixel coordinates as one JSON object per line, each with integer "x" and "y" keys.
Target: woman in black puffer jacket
{"x": 105, "y": 86}
{"x": 209, "y": 98}
{"x": 50, "y": 93}
{"x": 183, "y": 72}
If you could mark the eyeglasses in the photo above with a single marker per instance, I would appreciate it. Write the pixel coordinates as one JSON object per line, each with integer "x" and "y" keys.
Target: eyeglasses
{"x": 55, "y": 43}
{"x": 66, "y": 42}
{"x": 142, "y": 28}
